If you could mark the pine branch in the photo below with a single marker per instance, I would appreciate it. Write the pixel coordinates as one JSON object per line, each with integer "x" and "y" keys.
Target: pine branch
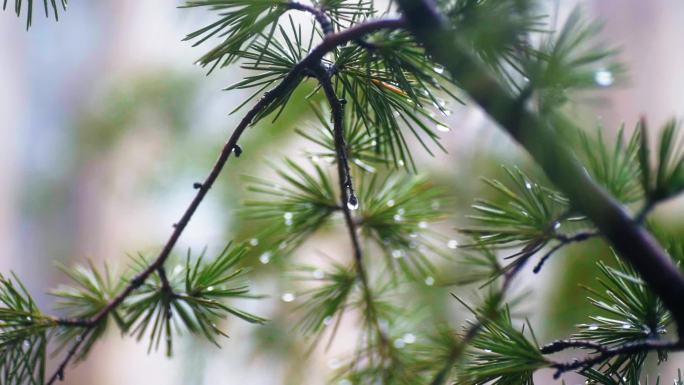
{"x": 312, "y": 61}
{"x": 632, "y": 242}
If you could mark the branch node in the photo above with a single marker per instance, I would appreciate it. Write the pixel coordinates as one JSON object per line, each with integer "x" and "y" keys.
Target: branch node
{"x": 237, "y": 150}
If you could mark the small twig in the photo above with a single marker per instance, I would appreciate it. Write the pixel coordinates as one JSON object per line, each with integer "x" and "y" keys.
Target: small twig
{"x": 560, "y": 345}
{"x": 320, "y": 16}
{"x": 347, "y": 196}
{"x": 643, "y": 213}
{"x": 59, "y": 373}
{"x": 166, "y": 285}
{"x": 564, "y": 241}
{"x": 604, "y": 353}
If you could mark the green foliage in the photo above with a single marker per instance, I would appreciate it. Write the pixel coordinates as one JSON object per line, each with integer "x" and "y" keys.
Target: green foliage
{"x": 389, "y": 88}
{"x": 362, "y": 147}
{"x": 51, "y": 5}
{"x": 344, "y": 13}
{"x": 668, "y": 179}
{"x": 396, "y": 213}
{"x": 504, "y": 44}
{"x": 616, "y": 168}
{"x": 501, "y": 355}
{"x": 272, "y": 60}
{"x": 301, "y": 206}
{"x": 193, "y": 300}
{"x": 326, "y": 302}
{"x": 91, "y": 292}
{"x": 239, "y": 23}
{"x": 529, "y": 215}
{"x": 23, "y": 335}
{"x": 632, "y": 314}
{"x": 570, "y": 60}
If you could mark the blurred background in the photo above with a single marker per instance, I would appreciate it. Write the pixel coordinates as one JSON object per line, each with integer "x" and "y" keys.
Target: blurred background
{"x": 106, "y": 124}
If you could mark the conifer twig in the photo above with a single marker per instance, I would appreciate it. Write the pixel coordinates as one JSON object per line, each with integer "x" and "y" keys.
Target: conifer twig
{"x": 310, "y": 62}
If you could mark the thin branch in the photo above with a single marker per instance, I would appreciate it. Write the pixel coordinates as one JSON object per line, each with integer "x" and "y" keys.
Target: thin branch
{"x": 347, "y": 197}
{"x": 311, "y": 61}
{"x": 320, "y": 16}
{"x": 604, "y": 353}
{"x": 59, "y": 373}
{"x": 632, "y": 242}
{"x": 564, "y": 241}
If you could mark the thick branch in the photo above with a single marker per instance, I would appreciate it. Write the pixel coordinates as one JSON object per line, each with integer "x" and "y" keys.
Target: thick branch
{"x": 310, "y": 62}
{"x": 630, "y": 240}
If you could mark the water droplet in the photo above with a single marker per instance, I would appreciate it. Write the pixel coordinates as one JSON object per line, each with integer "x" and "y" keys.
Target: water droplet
{"x": 318, "y": 274}
{"x": 592, "y": 327}
{"x": 401, "y": 163}
{"x": 626, "y": 326}
{"x": 528, "y": 185}
{"x": 29, "y": 319}
{"x": 282, "y": 245}
{"x": 439, "y": 69}
{"x": 401, "y": 211}
{"x": 334, "y": 363}
{"x": 397, "y": 218}
{"x": 556, "y": 225}
{"x": 26, "y": 345}
{"x": 177, "y": 269}
{"x": 452, "y": 244}
{"x": 409, "y": 338}
{"x": 327, "y": 320}
{"x": 422, "y": 225}
{"x": 413, "y": 235}
{"x": 390, "y": 203}
{"x": 374, "y": 143}
{"x": 399, "y": 343}
{"x": 604, "y": 78}
{"x": 429, "y": 281}
{"x": 288, "y": 219}
{"x": 353, "y": 202}
{"x": 254, "y": 242}
{"x": 442, "y": 128}
{"x": 487, "y": 350}
{"x": 315, "y": 159}
{"x": 210, "y": 288}
{"x": 265, "y": 258}
{"x": 288, "y": 297}
{"x": 397, "y": 253}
